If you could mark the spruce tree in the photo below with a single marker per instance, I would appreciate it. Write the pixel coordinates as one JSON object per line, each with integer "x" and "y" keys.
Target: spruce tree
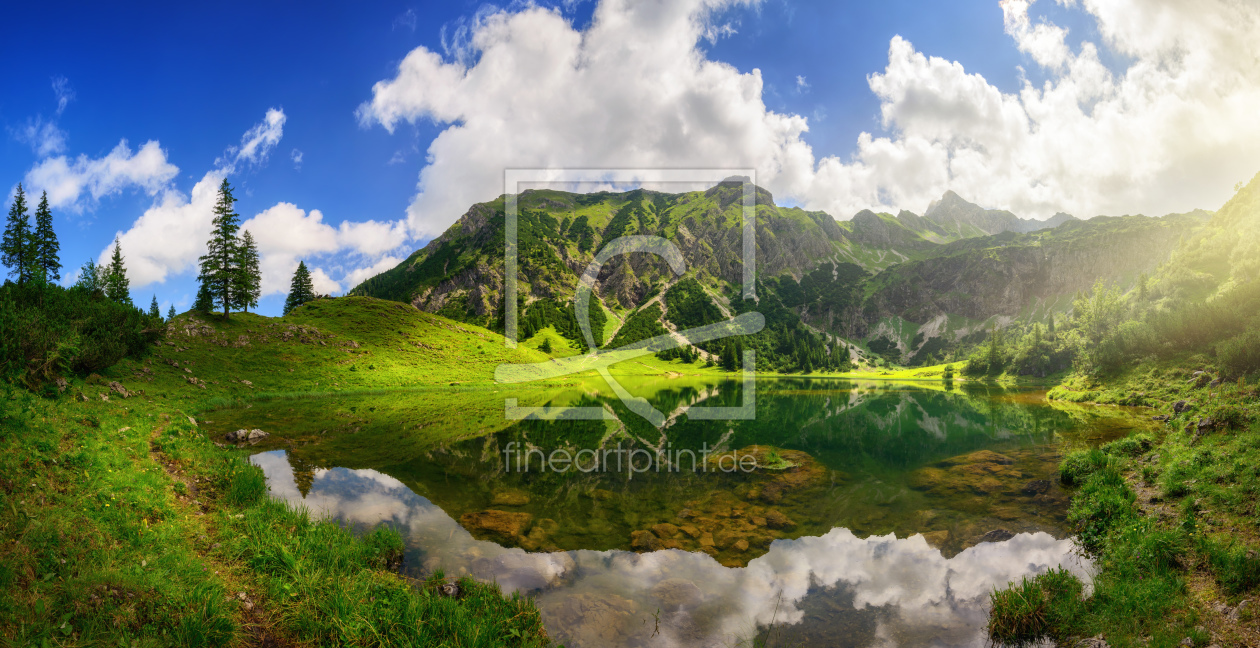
{"x": 46, "y": 250}
{"x": 90, "y": 278}
{"x": 301, "y": 290}
{"x": 205, "y": 301}
{"x": 154, "y": 310}
{"x": 219, "y": 265}
{"x": 248, "y": 278}
{"x": 170, "y": 313}
{"x": 117, "y": 285}
{"x": 16, "y": 244}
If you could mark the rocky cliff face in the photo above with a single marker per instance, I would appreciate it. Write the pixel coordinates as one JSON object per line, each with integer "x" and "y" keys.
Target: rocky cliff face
{"x": 963, "y": 219}
{"x": 460, "y": 273}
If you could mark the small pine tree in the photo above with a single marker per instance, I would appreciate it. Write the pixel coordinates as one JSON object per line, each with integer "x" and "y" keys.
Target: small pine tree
{"x": 248, "y": 277}
{"x": 728, "y": 357}
{"x": 46, "y": 250}
{"x": 117, "y": 285}
{"x": 205, "y": 300}
{"x": 16, "y": 243}
{"x": 170, "y": 313}
{"x": 90, "y": 278}
{"x": 301, "y": 290}
{"x": 154, "y": 310}
{"x": 219, "y": 270}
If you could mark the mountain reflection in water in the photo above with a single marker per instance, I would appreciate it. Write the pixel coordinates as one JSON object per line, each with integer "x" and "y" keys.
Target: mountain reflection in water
{"x": 831, "y": 590}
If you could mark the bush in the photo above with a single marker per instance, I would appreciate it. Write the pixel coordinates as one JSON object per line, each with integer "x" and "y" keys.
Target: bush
{"x": 1240, "y": 355}
{"x": 48, "y": 330}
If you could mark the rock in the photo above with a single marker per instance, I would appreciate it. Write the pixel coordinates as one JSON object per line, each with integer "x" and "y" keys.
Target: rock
{"x": 665, "y": 530}
{"x": 644, "y": 541}
{"x": 192, "y": 421}
{"x": 1092, "y": 642}
{"x": 62, "y": 385}
{"x": 1181, "y": 406}
{"x": 256, "y": 434}
{"x": 1035, "y": 487}
{"x": 996, "y": 535}
{"x": 104, "y": 397}
{"x": 740, "y": 545}
{"x": 690, "y": 530}
{"x": 1205, "y": 423}
{"x": 1215, "y": 383}
{"x": 502, "y": 525}
{"x": 777, "y": 520}
{"x": 1187, "y": 642}
{"x": 936, "y": 539}
{"x": 450, "y": 590}
{"x": 677, "y": 594}
{"x": 980, "y": 457}
{"x": 81, "y": 397}
{"x": 237, "y": 436}
{"x": 509, "y": 498}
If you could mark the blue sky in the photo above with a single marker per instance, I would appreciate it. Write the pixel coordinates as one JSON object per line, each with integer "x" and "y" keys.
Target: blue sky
{"x": 199, "y": 81}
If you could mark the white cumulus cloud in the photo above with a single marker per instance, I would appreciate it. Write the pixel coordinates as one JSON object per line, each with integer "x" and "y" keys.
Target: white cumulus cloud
{"x": 1171, "y": 131}
{"x": 70, "y": 183}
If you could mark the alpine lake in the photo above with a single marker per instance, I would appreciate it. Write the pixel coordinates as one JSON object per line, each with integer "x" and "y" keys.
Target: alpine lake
{"x": 841, "y": 513}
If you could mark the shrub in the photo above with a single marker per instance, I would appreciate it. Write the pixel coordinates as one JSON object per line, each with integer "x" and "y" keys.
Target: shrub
{"x": 48, "y": 330}
{"x": 1240, "y": 355}
{"x": 1129, "y": 446}
{"x": 1104, "y": 503}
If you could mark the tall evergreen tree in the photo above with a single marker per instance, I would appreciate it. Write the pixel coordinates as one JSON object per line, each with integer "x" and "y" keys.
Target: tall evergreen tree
{"x": 170, "y": 313}
{"x": 219, "y": 270}
{"x": 117, "y": 285}
{"x": 90, "y": 277}
{"x": 154, "y": 310}
{"x": 248, "y": 278}
{"x": 301, "y": 290}
{"x": 46, "y": 250}
{"x": 16, "y": 245}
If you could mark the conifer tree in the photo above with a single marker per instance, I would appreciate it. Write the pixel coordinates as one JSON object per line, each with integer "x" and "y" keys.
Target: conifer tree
{"x": 16, "y": 244}
{"x": 205, "y": 301}
{"x": 219, "y": 265}
{"x": 46, "y": 250}
{"x": 248, "y": 278}
{"x": 170, "y": 313}
{"x": 154, "y": 310}
{"x": 90, "y": 277}
{"x": 301, "y": 290}
{"x": 117, "y": 285}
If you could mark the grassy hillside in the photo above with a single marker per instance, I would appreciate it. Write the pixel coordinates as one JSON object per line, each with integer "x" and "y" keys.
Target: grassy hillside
{"x": 123, "y": 523}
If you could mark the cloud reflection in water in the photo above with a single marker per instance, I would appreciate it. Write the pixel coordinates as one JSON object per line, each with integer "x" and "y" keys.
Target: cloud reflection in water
{"x": 873, "y": 591}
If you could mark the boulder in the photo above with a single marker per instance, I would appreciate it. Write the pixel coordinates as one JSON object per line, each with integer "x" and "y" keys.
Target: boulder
{"x": 256, "y": 434}
{"x": 502, "y": 525}
{"x": 665, "y": 530}
{"x": 644, "y": 541}
{"x": 1181, "y": 406}
{"x": 1036, "y": 487}
{"x": 996, "y": 535}
{"x": 777, "y": 520}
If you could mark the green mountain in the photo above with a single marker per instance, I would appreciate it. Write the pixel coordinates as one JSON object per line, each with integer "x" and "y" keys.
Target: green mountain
{"x": 905, "y": 287}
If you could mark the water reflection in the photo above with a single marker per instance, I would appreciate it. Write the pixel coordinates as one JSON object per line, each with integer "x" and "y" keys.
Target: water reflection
{"x": 830, "y": 589}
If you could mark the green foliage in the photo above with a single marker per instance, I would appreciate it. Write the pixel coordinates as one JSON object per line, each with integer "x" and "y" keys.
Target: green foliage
{"x": 243, "y": 483}
{"x": 247, "y": 278}
{"x": 1235, "y": 565}
{"x": 170, "y": 312}
{"x": 301, "y": 289}
{"x": 1104, "y": 503}
{"x": 690, "y": 306}
{"x": 1240, "y": 355}
{"x": 1078, "y": 466}
{"x": 116, "y": 284}
{"x": 91, "y": 278}
{"x": 204, "y": 303}
{"x": 45, "y": 332}
{"x": 45, "y": 248}
{"x": 220, "y": 269}
{"x": 1023, "y": 614}
{"x": 545, "y": 312}
{"x": 17, "y": 246}
{"x": 644, "y": 324}
{"x": 155, "y": 311}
